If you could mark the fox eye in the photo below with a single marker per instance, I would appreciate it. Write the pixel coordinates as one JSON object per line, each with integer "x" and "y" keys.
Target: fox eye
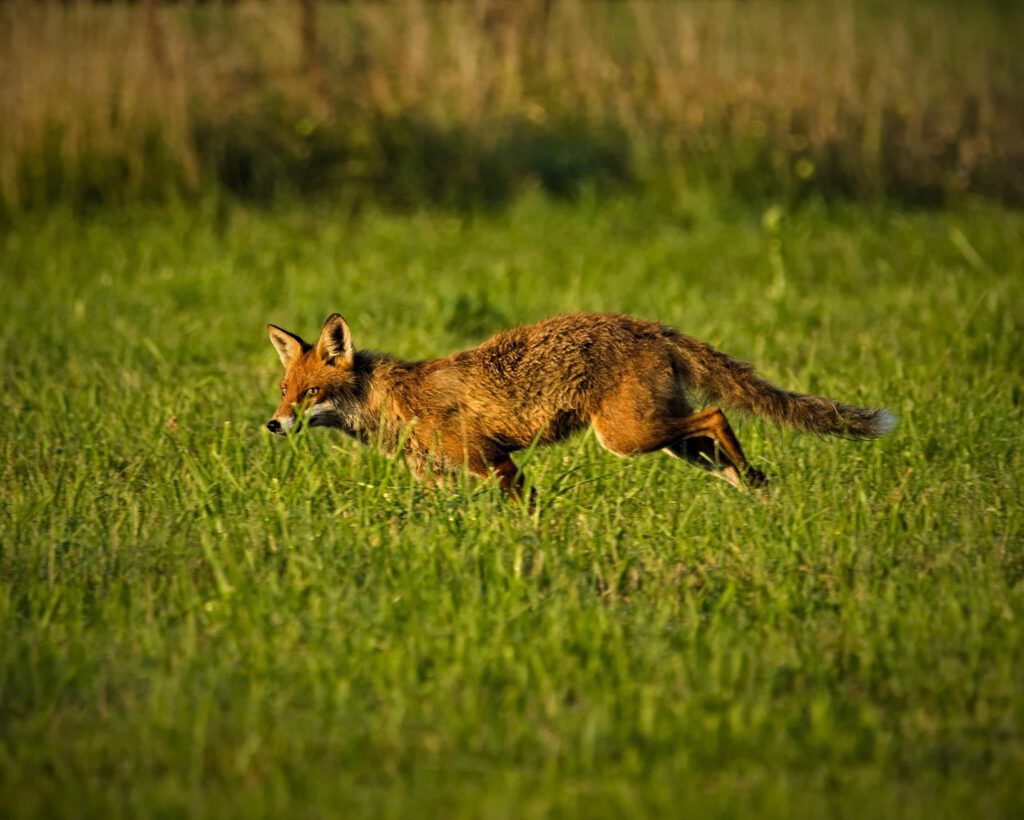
{"x": 283, "y": 389}
{"x": 312, "y": 391}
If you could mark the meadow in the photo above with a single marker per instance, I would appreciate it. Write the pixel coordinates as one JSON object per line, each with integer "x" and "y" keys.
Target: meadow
{"x": 199, "y": 620}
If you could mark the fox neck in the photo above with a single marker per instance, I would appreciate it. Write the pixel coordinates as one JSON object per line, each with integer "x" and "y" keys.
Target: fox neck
{"x": 377, "y": 416}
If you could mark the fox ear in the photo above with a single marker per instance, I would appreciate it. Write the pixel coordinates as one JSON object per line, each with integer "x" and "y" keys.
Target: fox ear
{"x": 335, "y": 340}
{"x": 288, "y": 345}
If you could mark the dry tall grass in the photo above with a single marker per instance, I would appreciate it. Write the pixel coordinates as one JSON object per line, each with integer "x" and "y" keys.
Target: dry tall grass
{"x": 112, "y": 101}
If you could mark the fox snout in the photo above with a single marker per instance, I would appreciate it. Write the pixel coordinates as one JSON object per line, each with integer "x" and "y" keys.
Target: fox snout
{"x": 281, "y": 426}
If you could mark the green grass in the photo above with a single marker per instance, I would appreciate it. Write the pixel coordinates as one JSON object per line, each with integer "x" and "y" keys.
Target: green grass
{"x": 197, "y": 620}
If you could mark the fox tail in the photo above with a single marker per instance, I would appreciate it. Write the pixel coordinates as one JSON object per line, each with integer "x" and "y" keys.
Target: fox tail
{"x": 733, "y": 383}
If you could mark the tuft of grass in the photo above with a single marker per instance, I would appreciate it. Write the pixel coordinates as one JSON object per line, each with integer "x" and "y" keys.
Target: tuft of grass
{"x": 198, "y": 620}
{"x": 468, "y": 104}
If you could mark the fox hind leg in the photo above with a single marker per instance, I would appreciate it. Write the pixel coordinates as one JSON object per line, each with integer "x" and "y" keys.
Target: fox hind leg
{"x": 708, "y": 438}
{"x": 703, "y": 452}
{"x": 703, "y": 438}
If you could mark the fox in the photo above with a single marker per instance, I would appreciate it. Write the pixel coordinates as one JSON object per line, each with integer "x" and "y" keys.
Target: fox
{"x": 636, "y": 383}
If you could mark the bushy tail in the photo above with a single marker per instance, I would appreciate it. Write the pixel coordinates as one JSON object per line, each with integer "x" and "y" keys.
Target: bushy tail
{"x": 730, "y": 382}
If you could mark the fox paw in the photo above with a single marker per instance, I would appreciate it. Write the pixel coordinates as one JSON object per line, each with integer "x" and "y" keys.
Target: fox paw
{"x": 755, "y": 478}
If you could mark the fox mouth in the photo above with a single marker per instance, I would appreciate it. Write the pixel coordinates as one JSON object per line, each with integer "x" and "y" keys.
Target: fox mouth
{"x": 296, "y": 426}
{"x": 289, "y": 425}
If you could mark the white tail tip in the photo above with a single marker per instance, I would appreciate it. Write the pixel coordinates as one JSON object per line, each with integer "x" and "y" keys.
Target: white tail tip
{"x": 885, "y": 423}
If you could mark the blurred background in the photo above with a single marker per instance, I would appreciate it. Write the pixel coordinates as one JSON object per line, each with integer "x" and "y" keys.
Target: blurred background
{"x": 466, "y": 104}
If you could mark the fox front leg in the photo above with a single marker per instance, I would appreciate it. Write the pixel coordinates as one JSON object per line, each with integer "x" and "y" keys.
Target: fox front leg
{"x": 510, "y": 478}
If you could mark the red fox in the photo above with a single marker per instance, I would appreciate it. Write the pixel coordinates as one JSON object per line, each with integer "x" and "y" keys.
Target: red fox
{"x": 633, "y": 381}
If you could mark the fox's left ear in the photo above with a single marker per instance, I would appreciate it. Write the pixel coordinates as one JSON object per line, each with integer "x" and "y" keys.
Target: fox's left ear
{"x": 288, "y": 345}
{"x": 336, "y": 341}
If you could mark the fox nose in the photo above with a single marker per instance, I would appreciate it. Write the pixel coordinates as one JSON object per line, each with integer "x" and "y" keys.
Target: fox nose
{"x": 274, "y": 426}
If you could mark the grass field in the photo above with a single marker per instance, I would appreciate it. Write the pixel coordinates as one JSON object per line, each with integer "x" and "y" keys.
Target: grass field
{"x": 197, "y": 620}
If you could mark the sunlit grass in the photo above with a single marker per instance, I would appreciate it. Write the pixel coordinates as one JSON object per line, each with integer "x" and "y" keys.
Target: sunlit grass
{"x": 197, "y": 619}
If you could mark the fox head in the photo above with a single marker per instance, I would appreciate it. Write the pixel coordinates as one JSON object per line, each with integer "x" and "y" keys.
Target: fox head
{"x": 320, "y": 385}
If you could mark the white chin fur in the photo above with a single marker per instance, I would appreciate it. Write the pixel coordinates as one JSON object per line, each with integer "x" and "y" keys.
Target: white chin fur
{"x": 319, "y": 409}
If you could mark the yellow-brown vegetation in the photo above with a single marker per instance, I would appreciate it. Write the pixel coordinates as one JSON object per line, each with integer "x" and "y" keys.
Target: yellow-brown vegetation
{"x": 437, "y": 101}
